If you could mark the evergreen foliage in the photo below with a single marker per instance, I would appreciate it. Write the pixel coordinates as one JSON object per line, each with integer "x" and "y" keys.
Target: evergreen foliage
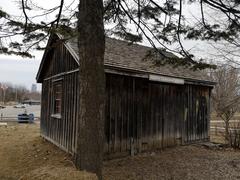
{"x": 161, "y": 24}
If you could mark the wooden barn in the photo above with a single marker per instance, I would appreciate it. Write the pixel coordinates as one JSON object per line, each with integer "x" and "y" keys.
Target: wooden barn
{"x": 148, "y": 107}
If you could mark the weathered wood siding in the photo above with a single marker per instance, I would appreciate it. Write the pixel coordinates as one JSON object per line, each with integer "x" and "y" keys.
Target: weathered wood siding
{"x": 60, "y": 131}
{"x": 141, "y": 115}
{"x": 144, "y": 115}
{"x": 197, "y": 113}
{"x": 59, "y": 60}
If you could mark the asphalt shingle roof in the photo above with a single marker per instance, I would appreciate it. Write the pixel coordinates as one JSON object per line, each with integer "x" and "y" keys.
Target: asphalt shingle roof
{"x": 121, "y": 54}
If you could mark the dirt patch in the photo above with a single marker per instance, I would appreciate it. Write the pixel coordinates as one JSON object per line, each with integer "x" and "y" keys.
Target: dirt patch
{"x": 25, "y": 155}
{"x": 184, "y": 162}
{"x": 57, "y": 173}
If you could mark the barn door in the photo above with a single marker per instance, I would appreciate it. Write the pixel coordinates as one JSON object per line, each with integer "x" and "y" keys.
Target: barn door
{"x": 141, "y": 115}
{"x": 119, "y": 125}
{"x": 172, "y": 117}
{"x": 156, "y": 116}
{"x": 196, "y": 114}
{"x": 164, "y": 127}
{"x": 140, "y": 122}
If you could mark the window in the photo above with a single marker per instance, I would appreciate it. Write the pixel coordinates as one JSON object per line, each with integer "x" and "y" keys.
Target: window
{"x": 57, "y": 99}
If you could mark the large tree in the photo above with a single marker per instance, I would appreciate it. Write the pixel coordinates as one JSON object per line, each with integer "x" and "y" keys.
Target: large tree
{"x": 91, "y": 43}
{"x": 160, "y": 23}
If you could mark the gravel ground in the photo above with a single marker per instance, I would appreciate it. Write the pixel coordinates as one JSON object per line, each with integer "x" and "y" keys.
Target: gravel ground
{"x": 185, "y": 162}
{"x": 24, "y": 155}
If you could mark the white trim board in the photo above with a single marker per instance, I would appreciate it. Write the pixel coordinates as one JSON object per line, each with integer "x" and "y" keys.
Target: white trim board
{"x": 159, "y": 78}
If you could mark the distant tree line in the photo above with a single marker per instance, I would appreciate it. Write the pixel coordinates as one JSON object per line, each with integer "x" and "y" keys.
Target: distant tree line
{"x": 16, "y": 93}
{"x": 226, "y": 101}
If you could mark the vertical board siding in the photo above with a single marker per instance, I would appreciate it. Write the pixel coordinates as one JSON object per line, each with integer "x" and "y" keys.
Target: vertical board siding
{"x": 141, "y": 115}
{"x": 61, "y": 131}
{"x": 197, "y": 106}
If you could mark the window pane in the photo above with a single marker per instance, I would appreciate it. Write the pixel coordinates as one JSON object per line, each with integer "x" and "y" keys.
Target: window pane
{"x": 57, "y": 90}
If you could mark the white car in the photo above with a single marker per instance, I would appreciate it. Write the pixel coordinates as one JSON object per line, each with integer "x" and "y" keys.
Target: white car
{"x": 20, "y": 106}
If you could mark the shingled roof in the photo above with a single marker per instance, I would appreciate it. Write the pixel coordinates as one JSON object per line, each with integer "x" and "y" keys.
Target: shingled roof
{"x": 126, "y": 56}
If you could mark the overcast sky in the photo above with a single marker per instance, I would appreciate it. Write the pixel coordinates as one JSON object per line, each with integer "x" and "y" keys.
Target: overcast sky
{"x": 15, "y": 69}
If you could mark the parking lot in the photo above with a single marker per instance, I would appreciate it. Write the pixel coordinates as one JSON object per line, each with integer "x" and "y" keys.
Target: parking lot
{"x": 11, "y": 113}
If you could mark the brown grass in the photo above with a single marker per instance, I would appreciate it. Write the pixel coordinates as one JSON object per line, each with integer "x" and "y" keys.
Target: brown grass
{"x": 26, "y": 156}
{"x": 23, "y": 154}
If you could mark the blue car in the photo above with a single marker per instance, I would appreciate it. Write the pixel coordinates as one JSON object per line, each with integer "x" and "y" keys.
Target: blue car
{"x": 25, "y": 118}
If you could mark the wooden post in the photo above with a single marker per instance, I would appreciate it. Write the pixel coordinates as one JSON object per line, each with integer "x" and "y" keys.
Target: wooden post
{"x": 4, "y": 95}
{"x": 132, "y": 146}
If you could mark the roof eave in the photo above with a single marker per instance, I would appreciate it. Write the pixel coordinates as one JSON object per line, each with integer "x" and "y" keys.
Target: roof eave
{"x": 188, "y": 80}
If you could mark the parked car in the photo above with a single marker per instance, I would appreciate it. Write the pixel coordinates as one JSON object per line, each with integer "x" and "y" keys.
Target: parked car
{"x": 25, "y": 118}
{"x": 20, "y": 106}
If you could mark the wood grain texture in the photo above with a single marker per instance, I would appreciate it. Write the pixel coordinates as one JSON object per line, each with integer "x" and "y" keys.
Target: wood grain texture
{"x": 155, "y": 115}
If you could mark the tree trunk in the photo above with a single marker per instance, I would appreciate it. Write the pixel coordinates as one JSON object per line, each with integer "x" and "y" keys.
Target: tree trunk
{"x": 227, "y": 130}
{"x": 91, "y": 43}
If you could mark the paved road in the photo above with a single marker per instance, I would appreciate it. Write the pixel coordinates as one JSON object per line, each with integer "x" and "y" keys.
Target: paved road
{"x": 10, "y": 111}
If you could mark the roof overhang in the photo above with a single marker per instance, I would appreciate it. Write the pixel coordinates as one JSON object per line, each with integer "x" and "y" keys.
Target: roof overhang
{"x": 157, "y": 77}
